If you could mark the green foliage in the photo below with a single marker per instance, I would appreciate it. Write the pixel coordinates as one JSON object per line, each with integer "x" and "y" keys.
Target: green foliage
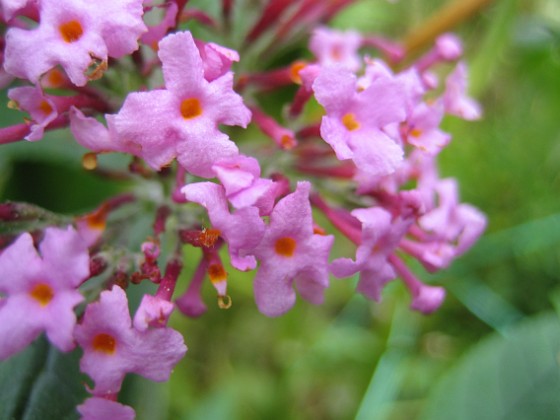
{"x": 514, "y": 378}
{"x": 492, "y": 348}
{"x": 41, "y": 383}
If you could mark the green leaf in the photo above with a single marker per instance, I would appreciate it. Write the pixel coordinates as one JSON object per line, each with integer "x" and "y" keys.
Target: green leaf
{"x": 41, "y": 383}
{"x": 511, "y": 378}
{"x": 17, "y": 375}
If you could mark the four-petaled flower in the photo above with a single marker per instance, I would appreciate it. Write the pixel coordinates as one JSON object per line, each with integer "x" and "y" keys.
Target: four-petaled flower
{"x": 182, "y": 120}
{"x": 113, "y": 347}
{"x": 74, "y": 34}
{"x": 291, "y": 253}
{"x": 355, "y": 118}
{"x": 41, "y": 289}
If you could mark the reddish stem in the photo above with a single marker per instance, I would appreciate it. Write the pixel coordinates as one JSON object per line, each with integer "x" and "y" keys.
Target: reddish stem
{"x": 169, "y": 280}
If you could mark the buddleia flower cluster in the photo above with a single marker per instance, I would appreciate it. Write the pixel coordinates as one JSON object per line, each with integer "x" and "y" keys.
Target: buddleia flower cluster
{"x": 351, "y": 138}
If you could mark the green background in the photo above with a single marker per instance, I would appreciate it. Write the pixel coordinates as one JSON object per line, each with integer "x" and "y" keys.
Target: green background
{"x": 491, "y": 352}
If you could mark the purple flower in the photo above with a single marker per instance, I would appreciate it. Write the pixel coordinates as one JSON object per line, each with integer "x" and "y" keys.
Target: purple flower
{"x": 96, "y": 408}
{"x": 423, "y": 128}
{"x": 354, "y": 121}
{"x": 290, "y": 252}
{"x": 40, "y": 289}
{"x": 11, "y": 7}
{"x": 240, "y": 176}
{"x": 94, "y": 136}
{"x": 335, "y": 48}
{"x": 74, "y": 34}
{"x": 217, "y": 60}
{"x": 451, "y": 220}
{"x": 241, "y": 230}
{"x": 152, "y": 312}
{"x": 455, "y": 97}
{"x": 182, "y": 120}
{"x": 112, "y": 347}
{"x": 40, "y": 108}
{"x": 380, "y": 236}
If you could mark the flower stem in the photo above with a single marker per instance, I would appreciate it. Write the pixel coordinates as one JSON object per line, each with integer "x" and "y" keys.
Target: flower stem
{"x": 442, "y": 21}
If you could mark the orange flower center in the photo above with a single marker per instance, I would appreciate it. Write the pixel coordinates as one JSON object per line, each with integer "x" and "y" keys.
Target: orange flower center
{"x": 190, "y": 108}
{"x": 285, "y": 246}
{"x": 45, "y": 107}
{"x": 295, "y": 69}
{"x": 71, "y": 31}
{"x": 104, "y": 343}
{"x": 42, "y": 293}
{"x": 217, "y": 273}
{"x": 349, "y": 121}
{"x": 287, "y": 142}
{"x": 55, "y": 78}
{"x": 415, "y": 132}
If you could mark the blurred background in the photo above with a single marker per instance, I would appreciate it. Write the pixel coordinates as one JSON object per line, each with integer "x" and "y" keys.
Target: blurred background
{"x": 492, "y": 351}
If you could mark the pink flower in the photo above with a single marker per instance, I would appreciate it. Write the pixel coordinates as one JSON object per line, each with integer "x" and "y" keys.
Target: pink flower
{"x": 241, "y": 230}
{"x": 455, "y": 97}
{"x": 291, "y": 253}
{"x": 336, "y": 48}
{"x": 423, "y": 128}
{"x": 41, "y": 109}
{"x": 74, "y": 34}
{"x": 155, "y": 33}
{"x": 112, "y": 347}
{"x": 41, "y": 289}
{"x": 217, "y": 60}
{"x": 191, "y": 303}
{"x": 354, "y": 121}
{"x": 11, "y": 7}
{"x": 425, "y": 298}
{"x": 94, "y": 136}
{"x": 96, "y": 408}
{"x": 240, "y": 176}
{"x": 182, "y": 120}
{"x": 380, "y": 236}
{"x": 152, "y": 312}
{"x": 452, "y": 221}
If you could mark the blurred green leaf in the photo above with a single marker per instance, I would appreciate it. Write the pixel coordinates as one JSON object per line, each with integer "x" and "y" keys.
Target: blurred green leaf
{"x": 390, "y": 371}
{"x": 513, "y": 378}
{"x": 41, "y": 383}
{"x": 16, "y": 379}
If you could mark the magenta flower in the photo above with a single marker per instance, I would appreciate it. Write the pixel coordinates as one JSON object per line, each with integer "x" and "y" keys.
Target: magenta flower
{"x": 355, "y": 119}
{"x": 112, "y": 347}
{"x": 423, "y": 128}
{"x": 182, "y": 120}
{"x": 40, "y": 289}
{"x": 291, "y": 253}
{"x": 241, "y": 230}
{"x": 455, "y": 97}
{"x": 96, "y": 408}
{"x": 152, "y": 312}
{"x": 155, "y": 33}
{"x": 452, "y": 221}
{"x": 74, "y": 34}
{"x": 240, "y": 176}
{"x": 191, "y": 303}
{"x": 216, "y": 59}
{"x": 335, "y": 48}
{"x": 380, "y": 237}
{"x": 40, "y": 108}
{"x": 11, "y": 7}
{"x": 94, "y": 136}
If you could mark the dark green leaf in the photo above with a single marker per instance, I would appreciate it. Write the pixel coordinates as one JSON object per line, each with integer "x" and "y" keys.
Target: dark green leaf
{"x": 17, "y": 375}
{"x": 41, "y": 383}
